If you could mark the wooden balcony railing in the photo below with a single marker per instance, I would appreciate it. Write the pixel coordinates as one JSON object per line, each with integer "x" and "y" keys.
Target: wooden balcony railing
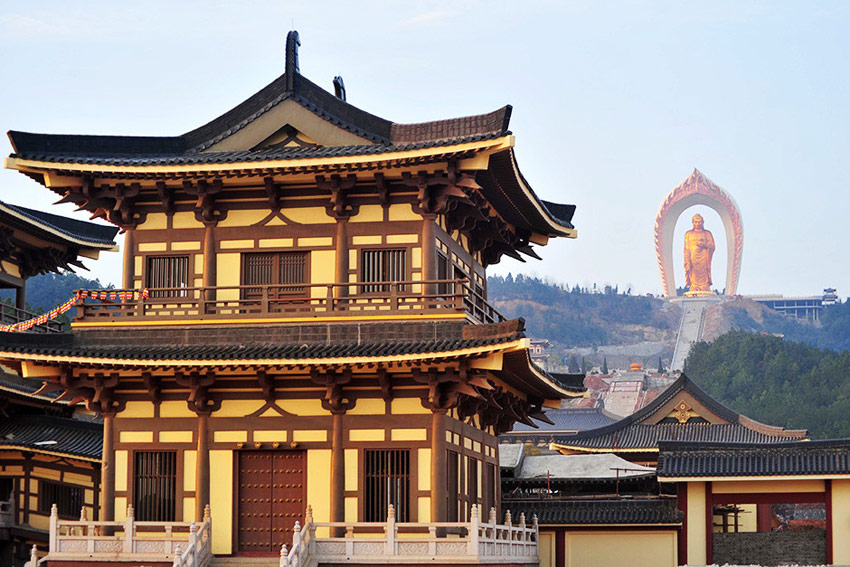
{"x": 9, "y": 315}
{"x": 291, "y": 300}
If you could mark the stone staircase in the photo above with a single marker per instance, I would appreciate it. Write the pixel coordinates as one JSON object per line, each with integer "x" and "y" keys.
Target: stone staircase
{"x": 690, "y": 328}
{"x": 270, "y": 561}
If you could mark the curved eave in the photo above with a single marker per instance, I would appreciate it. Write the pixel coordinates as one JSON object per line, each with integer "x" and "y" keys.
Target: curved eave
{"x": 532, "y": 381}
{"x": 579, "y": 449}
{"x": 48, "y": 452}
{"x": 55, "y": 234}
{"x": 43, "y": 358}
{"x": 353, "y": 162}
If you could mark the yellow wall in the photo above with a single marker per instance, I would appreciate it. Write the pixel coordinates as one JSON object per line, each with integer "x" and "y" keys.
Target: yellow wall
{"x": 696, "y": 523}
{"x": 318, "y": 483}
{"x": 620, "y": 549}
{"x": 841, "y": 522}
{"x": 766, "y": 486}
{"x": 546, "y": 545}
{"x": 221, "y": 500}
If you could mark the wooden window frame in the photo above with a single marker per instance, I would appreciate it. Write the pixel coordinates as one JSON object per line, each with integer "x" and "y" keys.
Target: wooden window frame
{"x": 45, "y": 502}
{"x": 305, "y": 285}
{"x": 141, "y": 511}
{"x": 372, "y": 510}
{"x": 171, "y": 295}
{"x": 378, "y": 289}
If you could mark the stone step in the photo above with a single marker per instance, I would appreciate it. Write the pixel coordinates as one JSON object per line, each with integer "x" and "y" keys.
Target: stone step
{"x": 269, "y": 561}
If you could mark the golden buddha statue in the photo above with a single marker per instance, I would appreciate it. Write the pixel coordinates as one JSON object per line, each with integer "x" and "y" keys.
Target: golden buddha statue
{"x": 699, "y": 248}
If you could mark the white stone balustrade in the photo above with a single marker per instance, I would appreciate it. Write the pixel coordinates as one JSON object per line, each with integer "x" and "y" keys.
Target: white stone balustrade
{"x": 186, "y": 544}
{"x": 470, "y": 542}
{"x": 7, "y": 513}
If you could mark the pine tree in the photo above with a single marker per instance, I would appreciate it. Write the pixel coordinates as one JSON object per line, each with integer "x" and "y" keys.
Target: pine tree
{"x": 604, "y": 366}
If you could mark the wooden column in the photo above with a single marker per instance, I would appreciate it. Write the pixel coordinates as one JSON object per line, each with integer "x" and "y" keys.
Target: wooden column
{"x": 202, "y": 468}
{"x": 429, "y": 256}
{"x": 341, "y": 268}
{"x": 337, "y": 503}
{"x": 439, "y": 496}
{"x": 21, "y": 296}
{"x": 107, "y": 470}
{"x": 209, "y": 276}
{"x": 129, "y": 275}
{"x": 26, "y": 495}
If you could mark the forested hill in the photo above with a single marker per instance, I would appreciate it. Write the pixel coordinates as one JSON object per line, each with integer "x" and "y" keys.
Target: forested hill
{"x": 776, "y": 381}
{"x": 47, "y": 291}
{"x": 578, "y": 317}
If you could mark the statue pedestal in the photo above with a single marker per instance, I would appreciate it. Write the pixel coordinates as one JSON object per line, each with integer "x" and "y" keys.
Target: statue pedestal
{"x": 700, "y": 294}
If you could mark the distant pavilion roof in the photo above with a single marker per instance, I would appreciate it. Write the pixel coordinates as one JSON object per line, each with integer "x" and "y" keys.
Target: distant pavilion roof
{"x": 53, "y": 436}
{"x": 706, "y": 420}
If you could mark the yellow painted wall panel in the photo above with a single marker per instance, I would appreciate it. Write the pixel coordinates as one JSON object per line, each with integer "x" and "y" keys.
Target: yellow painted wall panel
{"x": 50, "y": 474}
{"x": 199, "y": 264}
{"x": 227, "y": 274}
{"x": 121, "y": 471}
{"x": 351, "y": 471}
{"x": 368, "y": 406}
{"x": 409, "y": 435}
{"x": 423, "y": 457}
{"x": 416, "y": 258}
{"x": 366, "y": 435}
{"x": 221, "y": 500}
{"x": 175, "y": 408}
{"x": 39, "y": 522}
{"x": 322, "y": 264}
{"x": 238, "y": 408}
{"x": 11, "y": 269}
{"x": 407, "y": 406}
{"x": 315, "y": 241}
{"x": 352, "y": 264}
{"x": 175, "y": 436}
{"x": 137, "y": 265}
{"x": 403, "y": 212}
{"x": 238, "y": 218}
{"x": 308, "y": 215}
{"x": 185, "y": 219}
{"x": 152, "y": 246}
{"x": 423, "y": 509}
{"x": 88, "y": 496}
{"x": 302, "y": 407}
{"x": 136, "y": 436}
{"x": 841, "y": 522}
{"x": 318, "y": 481}
{"x": 269, "y": 436}
{"x": 230, "y": 436}
{"x": 231, "y": 244}
{"x": 402, "y": 238}
{"x": 137, "y": 409}
{"x": 190, "y": 459}
{"x": 307, "y": 435}
{"x": 189, "y": 509}
{"x": 186, "y": 245}
{"x": 766, "y": 486}
{"x": 366, "y": 239}
{"x": 350, "y": 508}
{"x": 696, "y": 523}
{"x": 155, "y": 221}
{"x": 369, "y": 213}
{"x": 120, "y": 508}
{"x": 276, "y": 242}
{"x": 621, "y": 549}
{"x": 546, "y": 546}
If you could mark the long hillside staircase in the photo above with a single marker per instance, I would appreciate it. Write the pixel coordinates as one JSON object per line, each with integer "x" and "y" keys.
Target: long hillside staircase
{"x": 691, "y": 328}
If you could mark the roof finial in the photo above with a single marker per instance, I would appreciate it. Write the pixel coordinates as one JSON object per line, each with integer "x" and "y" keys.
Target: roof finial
{"x": 339, "y": 88}
{"x": 292, "y": 43}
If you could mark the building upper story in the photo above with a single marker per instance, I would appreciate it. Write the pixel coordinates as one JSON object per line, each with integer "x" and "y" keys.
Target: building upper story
{"x": 296, "y": 204}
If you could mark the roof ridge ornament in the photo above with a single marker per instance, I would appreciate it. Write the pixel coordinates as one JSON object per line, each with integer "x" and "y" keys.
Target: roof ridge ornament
{"x": 292, "y": 69}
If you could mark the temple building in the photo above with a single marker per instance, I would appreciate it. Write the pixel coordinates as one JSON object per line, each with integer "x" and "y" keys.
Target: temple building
{"x": 303, "y": 344}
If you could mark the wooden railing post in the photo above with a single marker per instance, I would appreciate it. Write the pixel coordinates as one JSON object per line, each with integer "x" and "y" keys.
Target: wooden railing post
{"x": 330, "y": 299}
{"x": 472, "y": 542}
{"x": 264, "y": 302}
{"x": 54, "y": 528}
{"x": 390, "y": 531}
{"x": 459, "y": 295}
{"x": 129, "y": 530}
{"x": 394, "y": 296}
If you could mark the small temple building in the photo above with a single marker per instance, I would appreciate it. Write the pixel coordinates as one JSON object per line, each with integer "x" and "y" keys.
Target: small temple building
{"x": 303, "y": 344}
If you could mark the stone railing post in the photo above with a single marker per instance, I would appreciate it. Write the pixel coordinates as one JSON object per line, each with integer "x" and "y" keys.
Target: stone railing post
{"x": 297, "y": 544}
{"x": 284, "y": 556}
{"x": 522, "y": 526}
{"x": 178, "y": 557}
{"x": 509, "y": 532}
{"x": 54, "y": 529}
{"x": 193, "y": 544}
{"x": 33, "y": 557}
{"x": 390, "y": 531}
{"x": 129, "y": 530}
{"x": 474, "y": 527}
{"x": 536, "y": 527}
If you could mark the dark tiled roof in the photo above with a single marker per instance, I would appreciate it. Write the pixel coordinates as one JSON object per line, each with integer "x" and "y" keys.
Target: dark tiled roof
{"x": 98, "y": 235}
{"x": 64, "y": 346}
{"x": 631, "y": 433}
{"x": 578, "y": 512}
{"x": 71, "y": 436}
{"x": 16, "y": 385}
{"x": 829, "y": 457}
{"x": 570, "y": 419}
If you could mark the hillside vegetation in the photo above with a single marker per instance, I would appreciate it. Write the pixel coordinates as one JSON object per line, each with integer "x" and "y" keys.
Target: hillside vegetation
{"x": 776, "y": 381}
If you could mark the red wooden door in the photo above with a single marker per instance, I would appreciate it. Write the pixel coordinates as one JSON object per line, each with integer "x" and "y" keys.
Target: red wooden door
{"x": 271, "y": 499}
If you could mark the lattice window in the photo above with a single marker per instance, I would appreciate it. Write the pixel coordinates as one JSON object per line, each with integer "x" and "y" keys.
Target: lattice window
{"x": 387, "y": 481}
{"x": 168, "y": 272}
{"x": 382, "y": 266}
{"x": 274, "y": 269}
{"x": 155, "y": 489}
{"x": 68, "y": 499}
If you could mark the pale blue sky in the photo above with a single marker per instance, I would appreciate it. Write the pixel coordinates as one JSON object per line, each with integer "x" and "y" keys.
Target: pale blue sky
{"x": 614, "y": 103}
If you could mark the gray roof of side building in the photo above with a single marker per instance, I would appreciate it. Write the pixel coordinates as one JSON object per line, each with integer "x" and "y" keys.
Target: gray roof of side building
{"x": 568, "y": 420}
{"x": 638, "y": 511}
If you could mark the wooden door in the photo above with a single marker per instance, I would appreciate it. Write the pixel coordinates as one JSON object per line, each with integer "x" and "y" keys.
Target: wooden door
{"x": 271, "y": 499}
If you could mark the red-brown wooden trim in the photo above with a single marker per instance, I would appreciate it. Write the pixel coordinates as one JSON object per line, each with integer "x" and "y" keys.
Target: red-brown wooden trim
{"x": 829, "y": 534}
{"x": 709, "y": 525}
{"x": 682, "y": 499}
{"x": 560, "y": 547}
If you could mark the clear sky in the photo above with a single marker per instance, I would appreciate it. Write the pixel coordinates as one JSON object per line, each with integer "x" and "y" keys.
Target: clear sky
{"x": 614, "y": 104}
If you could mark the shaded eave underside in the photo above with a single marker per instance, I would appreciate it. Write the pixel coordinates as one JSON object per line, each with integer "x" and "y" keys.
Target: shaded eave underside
{"x": 62, "y": 230}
